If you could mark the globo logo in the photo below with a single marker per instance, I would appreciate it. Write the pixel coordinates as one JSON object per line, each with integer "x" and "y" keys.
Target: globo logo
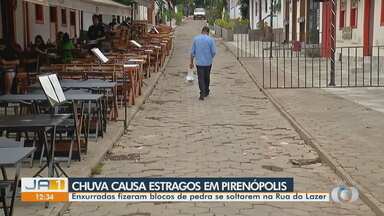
{"x": 344, "y": 194}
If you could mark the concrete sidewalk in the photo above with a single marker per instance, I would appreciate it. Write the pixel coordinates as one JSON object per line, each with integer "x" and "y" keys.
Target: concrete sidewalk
{"x": 347, "y": 123}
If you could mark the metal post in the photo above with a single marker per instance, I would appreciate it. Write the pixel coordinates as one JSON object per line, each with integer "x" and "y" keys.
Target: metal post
{"x": 125, "y": 84}
{"x": 271, "y": 14}
{"x": 170, "y": 15}
{"x": 131, "y": 29}
{"x": 333, "y": 43}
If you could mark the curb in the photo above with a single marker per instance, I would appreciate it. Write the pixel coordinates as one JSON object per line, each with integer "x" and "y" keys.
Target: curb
{"x": 62, "y": 210}
{"x": 376, "y": 206}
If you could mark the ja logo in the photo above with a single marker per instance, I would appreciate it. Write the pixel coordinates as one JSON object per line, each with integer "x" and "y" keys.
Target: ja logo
{"x": 344, "y": 194}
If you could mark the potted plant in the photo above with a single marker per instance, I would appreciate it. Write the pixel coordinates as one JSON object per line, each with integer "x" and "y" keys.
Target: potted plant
{"x": 241, "y": 26}
{"x": 217, "y": 28}
{"x": 224, "y": 29}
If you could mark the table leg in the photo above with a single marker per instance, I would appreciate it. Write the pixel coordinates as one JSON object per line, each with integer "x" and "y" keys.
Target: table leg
{"x": 97, "y": 121}
{"x": 3, "y": 194}
{"x": 4, "y": 173}
{"x": 3, "y": 201}
{"x": 43, "y": 136}
{"x": 149, "y": 65}
{"x": 107, "y": 99}
{"x": 114, "y": 93}
{"x": 89, "y": 121}
{"x": 77, "y": 128}
{"x": 16, "y": 183}
{"x": 104, "y": 114}
{"x": 51, "y": 164}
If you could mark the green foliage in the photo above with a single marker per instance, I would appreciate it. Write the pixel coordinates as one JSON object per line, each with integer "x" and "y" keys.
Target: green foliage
{"x": 228, "y": 24}
{"x": 211, "y": 21}
{"x": 97, "y": 169}
{"x": 214, "y": 10}
{"x": 262, "y": 25}
{"x": 179, "y": 15}
{"x": 242, "y": 21}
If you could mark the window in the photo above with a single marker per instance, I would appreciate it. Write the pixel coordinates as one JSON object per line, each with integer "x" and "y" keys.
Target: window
{"x": 72, "y": 18}
{"x": 266, "y": 6}
{"x": 382, "y": 13}
{"x": 342, "y": 14}
{"x": 353, "y": 14}
{"x": 53, "y": 14}
{"x": 39, "y": 14}
{"x": 63, "y": 17}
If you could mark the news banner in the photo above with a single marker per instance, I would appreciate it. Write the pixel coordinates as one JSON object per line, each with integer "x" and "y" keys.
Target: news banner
{"x": 174, "y": 190}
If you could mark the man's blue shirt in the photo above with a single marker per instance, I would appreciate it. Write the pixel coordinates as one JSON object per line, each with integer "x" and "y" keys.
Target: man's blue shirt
{"x": 203, "y": 50}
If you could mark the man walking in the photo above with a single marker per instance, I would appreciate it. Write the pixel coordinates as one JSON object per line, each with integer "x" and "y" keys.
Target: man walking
{"x": 203, "y": 50}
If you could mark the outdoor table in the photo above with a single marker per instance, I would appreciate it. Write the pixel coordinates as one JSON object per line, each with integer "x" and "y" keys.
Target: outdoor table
{"x": 88, "y": 98}
{"x": 140, "y": 74}
{"x": 42, "y": 124}
{"x": 92, "y": 84}
{"x": 84, "y": 84}
{"x": 132, "y": 70}
{"x": 141, "y": 62}
{"x": 73, "y": 96}
{"x": 12, "y": 157}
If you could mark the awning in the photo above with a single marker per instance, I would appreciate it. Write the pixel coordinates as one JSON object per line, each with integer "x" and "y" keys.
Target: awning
{"x": 145, "y": 3}
{"x": 108, "y": 7}
{"x": 39, "y": 2}
{"x": 106, "y": 3}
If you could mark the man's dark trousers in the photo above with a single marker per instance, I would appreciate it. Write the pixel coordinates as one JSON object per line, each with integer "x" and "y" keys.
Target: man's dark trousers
{"x": 203, "y": 75}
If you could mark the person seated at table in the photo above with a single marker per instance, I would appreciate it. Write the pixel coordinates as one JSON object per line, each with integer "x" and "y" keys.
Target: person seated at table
{"x": 67, "y": 47}
{"x": 9, "y": 61}
{"x": 59, "y": 41}
{"x": 124, "y": 23}
{"x": 39, "y": 45}
{"x": 96, "y": 32}
{"x": 113, "y": 23}
{"x": 39, "y": 50}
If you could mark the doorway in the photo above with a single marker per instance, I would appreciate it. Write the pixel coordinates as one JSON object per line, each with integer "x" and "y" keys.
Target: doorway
{"x": 302, "y": 21}
{"x": 368, "y": 27}
{"x": 286, "y": 20}
{"x": 294, "y": 19}
{"x": 326, "y": 30}
{"x": 53, "y": 23}
{"x": 72, "y": 24}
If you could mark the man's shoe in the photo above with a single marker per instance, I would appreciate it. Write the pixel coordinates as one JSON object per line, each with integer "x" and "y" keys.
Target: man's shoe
{"x": 201, "y": 98}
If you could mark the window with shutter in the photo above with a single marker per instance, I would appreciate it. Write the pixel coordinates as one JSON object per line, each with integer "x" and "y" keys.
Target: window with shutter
{"x": 39, "y": 14}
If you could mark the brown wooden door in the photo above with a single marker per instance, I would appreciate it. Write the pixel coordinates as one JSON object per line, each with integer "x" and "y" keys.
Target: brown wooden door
{"x": 53, "y": 23}
{"x": 368, "y": 27}
{"x": 294, "y": 19}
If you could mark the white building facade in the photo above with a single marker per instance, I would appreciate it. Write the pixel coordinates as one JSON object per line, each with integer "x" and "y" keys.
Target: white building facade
{"x": 234, "y": 9}
{"x": 360, "y": 23}
{"x": 48, "y": 17}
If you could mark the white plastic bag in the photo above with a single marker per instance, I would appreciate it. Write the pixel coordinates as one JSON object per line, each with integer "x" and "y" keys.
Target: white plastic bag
{"x": 190, "y": 75}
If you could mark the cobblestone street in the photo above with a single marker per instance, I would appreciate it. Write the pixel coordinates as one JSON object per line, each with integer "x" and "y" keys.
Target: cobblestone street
{"x": 235, "y": 132}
